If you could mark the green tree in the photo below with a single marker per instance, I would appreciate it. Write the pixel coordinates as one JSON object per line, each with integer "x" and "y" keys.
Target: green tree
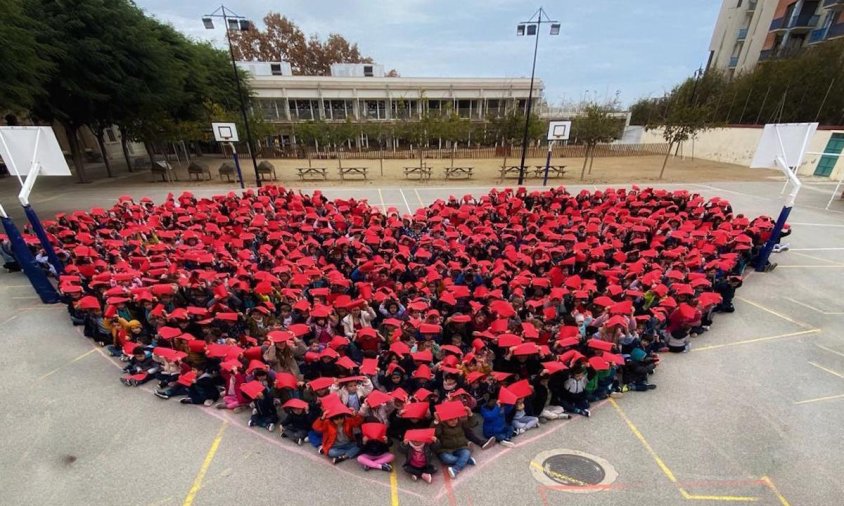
{"x": 595, "y": 125}
{"x": 454, "y": 129}
{"x": 24, "y": 57}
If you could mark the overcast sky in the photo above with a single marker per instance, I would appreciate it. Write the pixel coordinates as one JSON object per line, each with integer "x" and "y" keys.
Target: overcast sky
{"x": 638, "y": 47}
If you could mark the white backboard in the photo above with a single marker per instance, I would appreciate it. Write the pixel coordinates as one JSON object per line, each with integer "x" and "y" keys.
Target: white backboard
{"x": 225, "y": 132}
{"x": 25, "y": 147}
{"x": 559, "y": 130}
{"x": 786, "y": 140}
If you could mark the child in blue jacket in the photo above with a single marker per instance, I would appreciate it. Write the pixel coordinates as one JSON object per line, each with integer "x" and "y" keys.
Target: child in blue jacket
{"x": 497, "y": 421}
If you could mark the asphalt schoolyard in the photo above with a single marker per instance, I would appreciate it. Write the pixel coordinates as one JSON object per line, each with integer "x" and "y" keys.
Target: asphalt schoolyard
{"x": 752, "y": 414}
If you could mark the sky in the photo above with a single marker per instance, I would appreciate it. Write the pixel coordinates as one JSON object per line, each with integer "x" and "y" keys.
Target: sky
{"x": 638, "y": 48}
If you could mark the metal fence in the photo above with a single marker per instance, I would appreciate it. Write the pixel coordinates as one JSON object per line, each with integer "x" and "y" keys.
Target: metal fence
{"x": 578, "y": 151}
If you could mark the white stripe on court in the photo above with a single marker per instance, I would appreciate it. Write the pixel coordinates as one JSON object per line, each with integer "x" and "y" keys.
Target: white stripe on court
{"x": 409, "y": 210}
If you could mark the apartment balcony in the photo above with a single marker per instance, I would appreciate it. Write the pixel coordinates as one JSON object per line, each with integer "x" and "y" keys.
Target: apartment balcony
{"x": 733, "y": 62}
{"x": 835, "y": 31}
{"x": 817, "y": 35}
{"x": 778, "y": 24}
{"x": 742, "y": 34}
{"x": 805, "y": 24}
{"x": 751, "y": 6}
{"x": 766, "y": 54}
{"x": 833, "y": 4}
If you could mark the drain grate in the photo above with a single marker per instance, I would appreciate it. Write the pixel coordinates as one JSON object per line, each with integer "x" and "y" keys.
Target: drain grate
{"x": 572, "y": 471}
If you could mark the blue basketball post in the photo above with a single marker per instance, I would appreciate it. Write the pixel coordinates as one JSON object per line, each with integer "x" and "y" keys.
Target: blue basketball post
{"x": 37, "y": 277}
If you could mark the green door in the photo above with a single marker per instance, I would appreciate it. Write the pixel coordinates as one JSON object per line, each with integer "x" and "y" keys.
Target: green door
{"x": 827, "y": 163}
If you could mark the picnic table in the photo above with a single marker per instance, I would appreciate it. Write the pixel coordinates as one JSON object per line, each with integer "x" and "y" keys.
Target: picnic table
{"x": 422, "y": 173}
{"x": 554, "y": 171}
{"x": 510, "y": 171}
{"x": 352, "y": 171}
{"x": 266, "y": 170}
{"x": 312, "y": 173}
{"x": 459, "y": 172}
{"x": 200, "y": 170}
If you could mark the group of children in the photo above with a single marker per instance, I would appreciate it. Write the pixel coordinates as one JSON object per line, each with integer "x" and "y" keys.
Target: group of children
{"x": 366, "y": 334}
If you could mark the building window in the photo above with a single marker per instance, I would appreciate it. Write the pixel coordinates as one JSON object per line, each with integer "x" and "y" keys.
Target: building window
{"x": 275, "y": 69}
{"x": 304, "y": 110}
{"x": 493, "y": 108}
{"x": 110, "y": 137}
{"x": 337, "y": 109}
{"x": 268, "y": 109}
{"x": 403, "y": 109}
{"x": 374, "y": 109}
{"x": 465, "y": 108}
{"x": 367, "y": 71}
{"x": 436, "y": 107}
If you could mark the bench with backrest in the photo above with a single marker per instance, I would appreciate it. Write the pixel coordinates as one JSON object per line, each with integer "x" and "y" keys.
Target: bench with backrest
{"x": 200, "y": 170}
{"x": 227, "y": 170}
{"x": 352, "y": 171}
{"x": 312, "y": 173}
{"x": 163, "y": 169}
{"x": 422, "y": 173}
{"x": 266, "y": 170}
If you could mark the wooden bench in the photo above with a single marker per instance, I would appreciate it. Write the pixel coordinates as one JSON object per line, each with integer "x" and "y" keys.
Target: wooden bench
{"x": 163, "y": 169}
{"x": 422, "y": 173}
{"x": 511, "y": 171}
{"x": 266, "y": 170}
{"x": 459, "y": 172}
{"x": 227, "y": 170}
{"x": 200, "y": 170}
{"x": 554, "y": 171}
{"x": 312, "y": 173}
{"x": 352, "y": 171}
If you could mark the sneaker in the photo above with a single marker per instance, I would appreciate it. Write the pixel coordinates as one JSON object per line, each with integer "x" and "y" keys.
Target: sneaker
{"x": 586, "y": 413}
{"x": 472, "y": 461}
{"x": 426, "y": 477}
{"x": 186, "y": 400}
{"x": 270, "y": 427}
{"x": 320, "y": 450}
{"x": 616, "y": 395}
{"x": 414, "y": 477}
{"x": 250, "y": 423}
{"x": 489, "y": 442}
{"x": 386, "y": 468}
{"x": 161, "y": 395}
{"x": 126, "y": 381}
{"x": 220, "y": 405}
{"x": 784, "y": 247}
{"x": 564, "y": 416}
{"x": 337, "y": 460}
{"x": 507, "y": 444}
{"x": 208, "y": 403}
{"x": 520, "y": 431}
{"x": 300, "y": 441}
{"x": 365, "y": 468}
{"x": 625, "y": 388}
{"x": 282, "y": 434}
{"x": 451, "y": 472}
{"x": 651, "y": 387}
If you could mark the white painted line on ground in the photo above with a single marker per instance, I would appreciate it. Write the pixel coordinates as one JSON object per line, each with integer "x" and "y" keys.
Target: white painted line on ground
{"x": 818, "y": 399}
{"x": 818, "y": 224}
{"x": 716, "y": 188}
{"x": 409, "y": 210}
{"x": 816, "y": 249}
{"x": 419, "y": 197}
{"x": 7, "y": 320}
{"x": 829, "y": 349}
{"x": 816, "y": 258}
{"x": 813, "y": 308}
{"x": 830, "y": 371}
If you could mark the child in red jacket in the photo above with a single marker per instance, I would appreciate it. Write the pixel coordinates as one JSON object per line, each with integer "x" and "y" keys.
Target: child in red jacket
{"x": 337, "y": 425}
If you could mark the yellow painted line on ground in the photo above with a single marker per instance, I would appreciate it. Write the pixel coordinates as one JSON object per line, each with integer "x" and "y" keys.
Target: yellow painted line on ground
{"x": 667, "y": 471}
{"x": 80, "y": 357}
{"x": 775, "y": 313}
{"x": 561, "y": 476}
{"x": 209, "y": 457}
{"x": 830, "y": 371}
{"x": 756, "y": 340}
{"x": 819, "y": 399}
{"x": 644, "y": 442}
{"x": 829, "y": 349}
{"x": 394, "y": 488}
{"x": 776, "y": 491}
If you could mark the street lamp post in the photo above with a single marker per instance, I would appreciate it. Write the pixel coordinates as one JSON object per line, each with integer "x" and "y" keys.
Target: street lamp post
{"x": 531, "y": 27}
{"x": 232, "y": 21}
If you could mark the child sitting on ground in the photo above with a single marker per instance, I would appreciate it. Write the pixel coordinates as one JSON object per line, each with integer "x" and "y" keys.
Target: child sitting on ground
{"x": 521, "y": 421}
{"x": 637, "y": 369}
{"x": 495, "y": 421}
{"x": 297, "y": 423}
{"x": 419, "y": 458}
{"x": 140, "y": 369}
{"x": 375, "y": 453}
{"x": 453, "y": 448}
{"x": 263, "y": 405}
{"x": 337, "y": 425}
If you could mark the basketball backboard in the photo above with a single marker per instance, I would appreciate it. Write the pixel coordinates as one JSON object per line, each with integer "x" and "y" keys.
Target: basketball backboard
{"x": 225, "y": 132}
{"x": 26, "y": 147}
{"x": 786, "y": 141}
{"x": 559, "y": 130}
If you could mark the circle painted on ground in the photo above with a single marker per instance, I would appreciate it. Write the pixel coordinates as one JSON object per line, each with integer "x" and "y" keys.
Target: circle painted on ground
{"x": 572, "y": 471}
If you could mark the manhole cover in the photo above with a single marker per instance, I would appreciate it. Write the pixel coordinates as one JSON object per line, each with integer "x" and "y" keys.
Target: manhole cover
{"x": 572, "y": 471}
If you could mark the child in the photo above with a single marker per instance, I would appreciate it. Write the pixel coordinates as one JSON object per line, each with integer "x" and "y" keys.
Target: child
{"x": 453, "y": 448}
{"x": 494, "y": 414}
{"x": 521, "y": 421}
{"x": 263, "y": 408}
{"x": 417, "y": 448}
{"x": 140, "y": 369}
{"x": 375, "y": 453}
{"x": 233, "y": 378}
{"x": 573, "y": 397}
{"x": 637, "y": 369}
{"x": 337, "y": 425}
{"x": 298, "y": 421}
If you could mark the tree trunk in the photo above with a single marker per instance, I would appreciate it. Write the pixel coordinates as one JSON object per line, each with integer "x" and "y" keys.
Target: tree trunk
{"x": 185, "y": 149}
{"x": 76, "y": 153}
{"x": 124, "y": 145}
{"x": 101, "y": 142}
{"x": 585, "y": 161}
{"x": 665, "y": 162}
{"x": 166, "y": 151}
{"x": 453, "y": 152}
{"x": 148, "y": 148}
{"x": 591, "y": 159}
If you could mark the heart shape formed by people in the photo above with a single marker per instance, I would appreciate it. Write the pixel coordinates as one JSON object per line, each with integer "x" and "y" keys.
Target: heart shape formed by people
{"x": 509, "y": 286}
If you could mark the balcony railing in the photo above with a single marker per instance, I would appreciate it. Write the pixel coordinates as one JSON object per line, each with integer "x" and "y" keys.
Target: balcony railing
{"x": 777, "y": 24}
{"x": 833, "y": 4}
{"x": 742, "y": 34}
{"x": 733, "y": 62}
{"x": 810, "y": 21}
{"x": 817, "y": 35}
{"x": 766, "y": 54}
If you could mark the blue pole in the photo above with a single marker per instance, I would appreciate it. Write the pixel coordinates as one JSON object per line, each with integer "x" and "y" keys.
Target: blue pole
{"x": 36, "y": 276}
{"x": 762, "y": 259}
{"x": 237, "y": 166}
{"x": 42, "y": 236}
